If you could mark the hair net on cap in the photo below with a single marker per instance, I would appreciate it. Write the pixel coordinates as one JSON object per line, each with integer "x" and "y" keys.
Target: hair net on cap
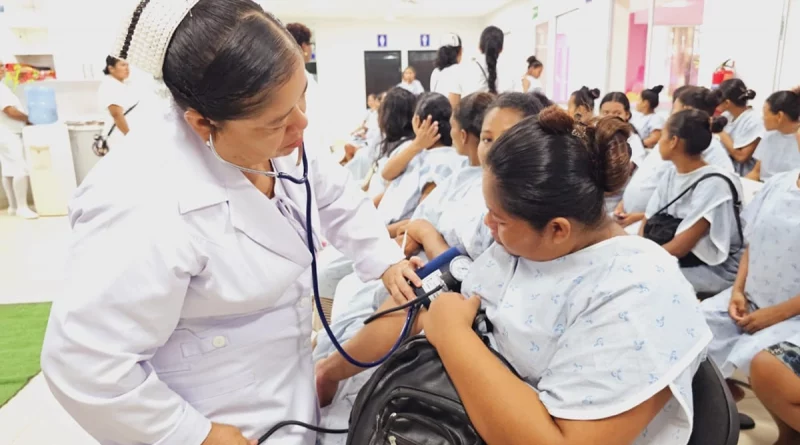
{"x": 146, "y": 31}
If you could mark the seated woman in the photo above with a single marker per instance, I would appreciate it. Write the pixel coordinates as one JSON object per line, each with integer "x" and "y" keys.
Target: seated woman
{"x": 650, "y": 123}
{"x": 708, "y": 240}
{"x": 581, "y": 104}
{"x": 763, "y": 305}
{"x": 451, "y": 216}
{"x": 745, "y": 125}
{"x": 647, "y": 177}
{"x": 775, "y": 378}
{"x": 415, "y": 170}
{"x": 603, "y": 328}
{"x": 779, "y": 150}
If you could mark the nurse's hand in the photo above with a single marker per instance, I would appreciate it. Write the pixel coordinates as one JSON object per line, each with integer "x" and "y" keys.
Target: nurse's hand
{"x": 396, "y": 280}
{"x": 450, "y": 314}
{"x": 226, "y": 435}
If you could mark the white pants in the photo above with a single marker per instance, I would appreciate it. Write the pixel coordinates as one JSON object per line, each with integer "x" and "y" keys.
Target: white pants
{"x": 12, "y": 159}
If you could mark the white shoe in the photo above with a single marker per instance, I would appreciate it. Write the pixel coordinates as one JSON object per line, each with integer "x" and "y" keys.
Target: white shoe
{"x": 12, "y": 211}
{"x": 27, "y": 213}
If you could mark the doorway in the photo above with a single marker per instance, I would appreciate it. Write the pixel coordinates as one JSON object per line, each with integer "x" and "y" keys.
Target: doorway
{"x": 423, "y": 63}
{"x": 382, "y": 70}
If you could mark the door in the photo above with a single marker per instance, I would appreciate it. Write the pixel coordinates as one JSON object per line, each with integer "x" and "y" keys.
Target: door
{"x": 382, "y": 70}
{"x": 423, "y": 62}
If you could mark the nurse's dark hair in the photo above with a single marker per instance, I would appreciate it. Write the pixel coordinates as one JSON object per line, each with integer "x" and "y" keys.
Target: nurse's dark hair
{"x": 585, "y": 97}
{"x": 528, "y": 104}
{"x": 620, "y": 98}
{"x": 703, "y": 99}
{"x": 439, "y": 109}
{"x": 550, "y": 166}
{"x": 533, "y": 62}
{"x": 787, "y": 101}
{"x": 650, "y": 95}
{"x": 395, "y": 116}
{"x": 470, "y": 111}
{"x": 300, "y": 32}
{"x": 491, "y": 45}
{"x": 447, "y": 56}
{"x": 226, "y": 58}
{"x": 110, "y": 63}
{"x": 693, "y": 127}
{"x": 737, "y": 92}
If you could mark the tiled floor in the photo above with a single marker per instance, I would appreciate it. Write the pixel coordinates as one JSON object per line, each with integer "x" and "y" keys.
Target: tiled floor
{"x": 32, "y": 256}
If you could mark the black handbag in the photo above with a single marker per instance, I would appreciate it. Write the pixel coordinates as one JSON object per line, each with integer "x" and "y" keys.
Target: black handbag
{"x": 661, "y": 227}
{"x": 410, "y": 400}
{"x": 100, "y": 145}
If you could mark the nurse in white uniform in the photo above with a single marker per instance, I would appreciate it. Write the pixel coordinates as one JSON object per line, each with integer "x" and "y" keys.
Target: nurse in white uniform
{"x": 118, "y": 99}
{"x": 745, "y": 125}
{"x": 446, "y": 73}
{"x": 186, "y": 318}
{"x": 602, "y": 327}
{"x": 779, "y": 150}
{"x": 12, "y": 159}
{"x": 530, "y": 82}
{"x": 479, "y": 75}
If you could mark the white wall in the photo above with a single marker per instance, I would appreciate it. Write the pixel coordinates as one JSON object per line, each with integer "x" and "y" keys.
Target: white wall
{"x": 516, "y": 20}
{"x": 340, "y": 47}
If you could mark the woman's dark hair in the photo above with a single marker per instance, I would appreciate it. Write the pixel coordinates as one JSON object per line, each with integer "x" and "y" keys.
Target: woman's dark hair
{"x": 395, "y": 117}
{"x": 529, "y": 104}
{"x": 551, "y": 166}
{"x": 650, "y": 96}
{"x": 787, "y": 101}
{"x": 693, "y": 127}
{"x": 703, "y": 99}
{"x": 585, "y": 97}
{"x": 447, "y": 56}
{"x": 533, "y": 62}
{"x": 110, "y": 63}
{"x": 736, "y": 91}
{"x": 438, "y": 107}
{"x": 470, "y": 111}
{"x": 300, "y": 32}
{"x": 620, "y": 98}
{"x": 678, "y": 91}
{"x": 226, "y": 58}
{"x": 491, "y": 45}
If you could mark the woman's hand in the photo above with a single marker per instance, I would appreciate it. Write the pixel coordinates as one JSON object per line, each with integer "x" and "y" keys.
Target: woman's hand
{"x": 326, "y": 388}
{"x": 762, "y": 319}
{"x": 737, "y": 308}
{"x": 427, "y": 132}
{"x": 450, "y": 314}
{"x": 396, "y": 280}
{"x": 226, "y": 435}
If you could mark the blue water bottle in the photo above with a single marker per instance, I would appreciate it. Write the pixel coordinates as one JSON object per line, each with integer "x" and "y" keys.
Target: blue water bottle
{"x": 41, "y": 103}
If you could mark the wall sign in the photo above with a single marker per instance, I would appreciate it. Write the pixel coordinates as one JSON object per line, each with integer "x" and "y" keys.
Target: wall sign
{"x": 383, "y": 41}
{"x": 425, "y": 40}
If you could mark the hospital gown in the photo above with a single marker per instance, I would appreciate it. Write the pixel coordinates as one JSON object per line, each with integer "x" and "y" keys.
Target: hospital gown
{"x": 404, "y": 193}
{"x": 773, "y": 275}
{"x": 778, "y": 153}
{"x": 599, "y": 331}
{"x": 456, "y": 208}
{"x": 638, "y": 157}
{"x": 744, "y": 130}
{"x": 646, "y": 124}
{"x": 721, "y": 248}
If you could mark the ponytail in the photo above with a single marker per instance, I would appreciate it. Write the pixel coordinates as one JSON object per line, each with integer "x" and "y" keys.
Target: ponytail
{"x": 491, "y": 45}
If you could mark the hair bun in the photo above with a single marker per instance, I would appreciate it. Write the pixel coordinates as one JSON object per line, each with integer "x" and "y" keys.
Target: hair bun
{"x": 750, "y": 94}
{"x": 594, "y": 92}
{"x": 657, "y": 89}
{"x": 555, "y": 121}
{"x": 612, "y": 153}
{"x": 718, "y": 124}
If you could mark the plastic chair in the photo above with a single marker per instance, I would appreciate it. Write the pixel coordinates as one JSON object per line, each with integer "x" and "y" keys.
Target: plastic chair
{"x": 716, "y": 419}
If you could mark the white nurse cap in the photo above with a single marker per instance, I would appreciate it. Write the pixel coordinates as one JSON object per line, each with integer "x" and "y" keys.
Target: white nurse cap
{"x": 146, "y": 32}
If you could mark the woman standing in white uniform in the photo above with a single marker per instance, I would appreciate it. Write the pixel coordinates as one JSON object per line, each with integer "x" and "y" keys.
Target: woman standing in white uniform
{"x": 446, "y": 73}
{"x": 118, "y": 98}
{"x": 186, "y": 317}
{"x": 745, "y": 126}
{"x": 530, "y": 81}
{"x": 12, "y": 158}
{"x": 779, "y": 150}
{"x": 479, "y": 75}
{"x": 603, "y": 329}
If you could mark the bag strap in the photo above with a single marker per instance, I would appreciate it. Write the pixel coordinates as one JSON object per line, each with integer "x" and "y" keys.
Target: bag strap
{"x": 737, "y": 204}
{"x": 114, "y": 127}
{"x": 483, "y": 320}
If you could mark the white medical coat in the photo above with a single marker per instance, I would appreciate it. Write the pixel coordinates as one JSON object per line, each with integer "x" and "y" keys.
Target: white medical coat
{"x": 187, "y": 299}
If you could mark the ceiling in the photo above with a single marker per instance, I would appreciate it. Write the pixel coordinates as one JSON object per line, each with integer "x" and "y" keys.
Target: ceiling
{"x": 382, "y": 9}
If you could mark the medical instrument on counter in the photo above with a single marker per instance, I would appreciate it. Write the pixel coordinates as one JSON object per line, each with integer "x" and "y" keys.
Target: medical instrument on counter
{"x": 443, "y": 273}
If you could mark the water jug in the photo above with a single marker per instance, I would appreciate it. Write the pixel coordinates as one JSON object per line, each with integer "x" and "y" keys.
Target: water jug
{"x": 41, "y": 101}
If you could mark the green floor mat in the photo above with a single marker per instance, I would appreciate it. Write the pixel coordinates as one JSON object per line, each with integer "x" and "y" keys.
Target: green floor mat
{"x": 22, "y": 329}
